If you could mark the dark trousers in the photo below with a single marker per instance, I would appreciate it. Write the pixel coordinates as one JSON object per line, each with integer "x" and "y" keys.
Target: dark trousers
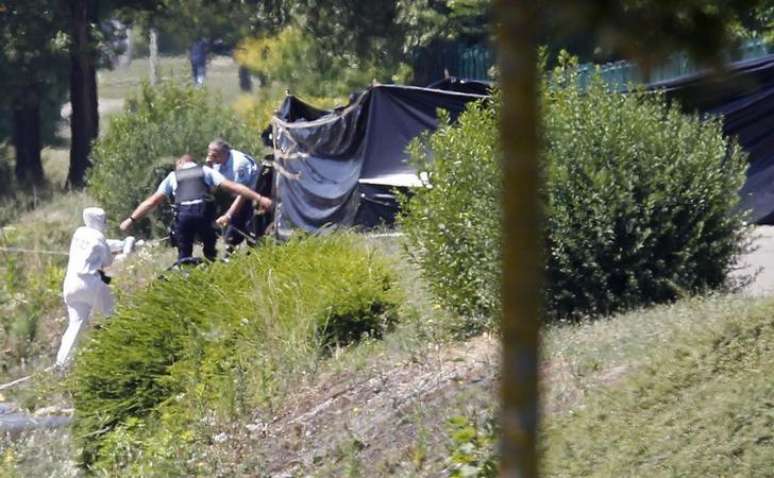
{"x": 241, "y": 221}
{"x": 198, "y": 72}
{"x": 192, "y": 221}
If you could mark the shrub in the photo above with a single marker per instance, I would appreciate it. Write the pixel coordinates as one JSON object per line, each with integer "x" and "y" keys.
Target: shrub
{"x": 453, "y": 226}
{"x": 640, "y": 203}
{"x": 641, "y": 200}
{"x": 472, "y": 449}
{"x": 216, "y": 338}
{"x": 158, "y": 125}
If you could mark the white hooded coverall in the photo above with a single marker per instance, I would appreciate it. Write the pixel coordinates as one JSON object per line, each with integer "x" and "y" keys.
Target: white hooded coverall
{"x": 83, "y": 290}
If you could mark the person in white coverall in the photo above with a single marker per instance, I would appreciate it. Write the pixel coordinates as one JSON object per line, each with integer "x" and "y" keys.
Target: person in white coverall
{"x": 83, "y": 288}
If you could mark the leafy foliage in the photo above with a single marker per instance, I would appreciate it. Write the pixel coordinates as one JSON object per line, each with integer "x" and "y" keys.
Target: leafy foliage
{"x": 387, "y": 30}
{"x": 453, "y": 224}
{"x": 157, "y": 126}
{"x": 223, "y": 23}
{"x": 304, "y": 66}
{"x": 34, "y": 50}
{"x": 640, "y": 200}
{"x": 473, "y": 448}
{"x": 33, "y": 76}
{"x": 649, "y": 30}
{"x": 231, "y": 328}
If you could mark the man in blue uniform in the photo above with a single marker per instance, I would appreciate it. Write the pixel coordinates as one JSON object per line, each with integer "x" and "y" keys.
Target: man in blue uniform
{"x": 241, "y": 168}
{"x": 199, "y": 61}
{"x": 190, "y": 185}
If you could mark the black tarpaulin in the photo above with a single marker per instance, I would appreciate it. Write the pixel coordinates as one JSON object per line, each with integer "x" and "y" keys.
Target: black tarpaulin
{"x": 333, "y": 164}
{"x": 744, "y": 97}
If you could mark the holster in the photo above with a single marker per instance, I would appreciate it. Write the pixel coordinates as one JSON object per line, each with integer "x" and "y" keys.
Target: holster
{"x": 105, "y": 278}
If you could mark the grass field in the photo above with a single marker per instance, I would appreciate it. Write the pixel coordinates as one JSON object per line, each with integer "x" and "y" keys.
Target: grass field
{"x": 222, "y": 76}
{"x": 686, "y": 391}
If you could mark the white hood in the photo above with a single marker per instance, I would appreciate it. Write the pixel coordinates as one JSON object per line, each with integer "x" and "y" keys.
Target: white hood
{"x": 94, "y": 218}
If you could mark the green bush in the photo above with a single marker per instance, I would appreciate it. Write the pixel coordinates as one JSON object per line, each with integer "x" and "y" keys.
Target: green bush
{"x": 640, "y": 203}
{"x": 642, "y": 200}
{"x": 296, "y": 60}
{"x": 217, "y": 339}
{"x": 453, "y": 226}
{"x": 158, "y": 125}
{"x": 472, "y": 449}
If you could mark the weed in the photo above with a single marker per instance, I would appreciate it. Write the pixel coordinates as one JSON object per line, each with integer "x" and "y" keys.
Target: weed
{"x": 473, "y": 443}
{"x": 237, "y": 332}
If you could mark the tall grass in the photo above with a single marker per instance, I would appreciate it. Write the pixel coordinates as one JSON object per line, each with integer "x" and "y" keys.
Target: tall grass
{"x": 678, "y": 390}
{"x": 698, "y": 405}
{"x": 31, "y": 282}
{"x": 216, "y": 342}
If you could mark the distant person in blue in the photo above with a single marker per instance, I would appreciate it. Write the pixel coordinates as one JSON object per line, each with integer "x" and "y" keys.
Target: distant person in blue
{"x": 199, "y": 61}
{"x": 241, "y": 168}
{"x": 191, "y": 185}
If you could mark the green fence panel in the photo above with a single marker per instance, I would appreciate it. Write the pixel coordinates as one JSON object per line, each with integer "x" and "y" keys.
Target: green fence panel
{"x": 619, "y": 75}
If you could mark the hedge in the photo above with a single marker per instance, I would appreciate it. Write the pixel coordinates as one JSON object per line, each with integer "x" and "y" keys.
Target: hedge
{"x": 641, "y": 203}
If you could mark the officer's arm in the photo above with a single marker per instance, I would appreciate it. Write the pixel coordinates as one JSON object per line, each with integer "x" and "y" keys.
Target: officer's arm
{"x": 145, "y": 207}
{"x": 246, "y": 193}
{"x": 236, "y": 205}
{"x": 241, "y": 176}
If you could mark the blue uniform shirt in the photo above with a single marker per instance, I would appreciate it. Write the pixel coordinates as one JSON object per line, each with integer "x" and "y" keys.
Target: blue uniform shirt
{"x": 239, "y": 168}
{"x": 168, "y": 186}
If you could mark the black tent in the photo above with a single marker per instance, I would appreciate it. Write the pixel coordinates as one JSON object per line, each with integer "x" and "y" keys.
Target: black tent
{"x": 744, "y": 96}
{"x": 341, "y": 167}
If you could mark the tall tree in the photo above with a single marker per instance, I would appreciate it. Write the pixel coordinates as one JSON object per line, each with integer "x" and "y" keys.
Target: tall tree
{"x": 32, "y": 59}
{"x": 84, "y": 120}
{"x": 84, "y": 18}
{"x": 370, "y": 37}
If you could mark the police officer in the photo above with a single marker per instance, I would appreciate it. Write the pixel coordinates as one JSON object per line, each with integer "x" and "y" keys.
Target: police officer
{"x": 241, "y": 168}
{"x": 190, "y": 185}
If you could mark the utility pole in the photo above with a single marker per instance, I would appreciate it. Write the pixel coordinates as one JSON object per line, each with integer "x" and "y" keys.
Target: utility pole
{"x": 154, "y": 55}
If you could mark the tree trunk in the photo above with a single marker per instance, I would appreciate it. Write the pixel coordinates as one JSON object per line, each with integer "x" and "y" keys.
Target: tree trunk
{"x": 84, "y": 121}
{"x": 154, "y": 56}
{"x": 26, "y": 138}
{"x": 522, "y": 234}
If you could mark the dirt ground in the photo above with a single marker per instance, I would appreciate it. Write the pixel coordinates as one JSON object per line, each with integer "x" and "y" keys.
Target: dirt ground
{"x": 388, "y": 416}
